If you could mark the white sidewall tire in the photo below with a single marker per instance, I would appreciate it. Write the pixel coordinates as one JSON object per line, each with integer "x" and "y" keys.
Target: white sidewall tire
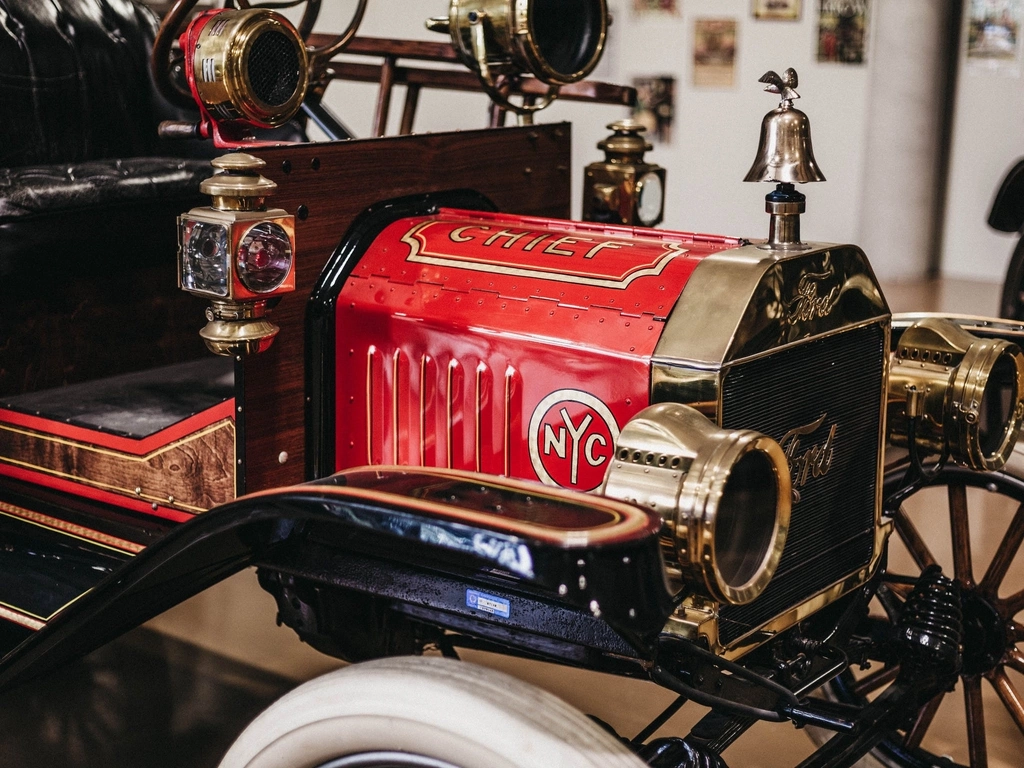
{"x": 453, "y": 711}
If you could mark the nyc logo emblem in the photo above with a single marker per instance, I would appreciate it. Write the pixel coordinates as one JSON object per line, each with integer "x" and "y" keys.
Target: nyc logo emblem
{"x": 572, "y": 439}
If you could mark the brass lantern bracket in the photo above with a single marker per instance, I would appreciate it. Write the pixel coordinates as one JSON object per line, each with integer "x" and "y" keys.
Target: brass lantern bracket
{"x": 478, "y": 41}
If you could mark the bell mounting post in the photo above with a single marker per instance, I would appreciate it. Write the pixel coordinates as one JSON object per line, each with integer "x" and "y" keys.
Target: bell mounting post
{"x": 784, "y": 156}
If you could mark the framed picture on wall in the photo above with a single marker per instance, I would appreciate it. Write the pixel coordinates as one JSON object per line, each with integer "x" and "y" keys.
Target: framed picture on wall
{"x": 993, "y": 36}
{"x": 777, "y": 9}
{"x": 655, "y": 6}
{"x": 714, "y": 52}
{"x": 843, "y": 31}
{"x": 655, "y": 105}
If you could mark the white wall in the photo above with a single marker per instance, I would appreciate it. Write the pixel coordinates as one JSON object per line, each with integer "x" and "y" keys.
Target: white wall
{"x": 988, "y": 137}
{"x": 716, "y": 129}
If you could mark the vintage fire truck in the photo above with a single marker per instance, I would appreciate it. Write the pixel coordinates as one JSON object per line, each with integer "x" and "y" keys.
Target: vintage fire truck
{"x": 443, "y": 415}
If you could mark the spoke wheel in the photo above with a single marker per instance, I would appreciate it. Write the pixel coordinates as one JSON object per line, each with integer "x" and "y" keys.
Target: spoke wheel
{"x": 976, "y": 540}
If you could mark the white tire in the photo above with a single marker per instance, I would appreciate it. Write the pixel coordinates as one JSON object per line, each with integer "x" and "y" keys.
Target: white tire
{"x": 424, "y": 708}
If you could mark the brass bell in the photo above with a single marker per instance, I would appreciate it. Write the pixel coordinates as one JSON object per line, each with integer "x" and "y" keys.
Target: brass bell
{"x": 784, "y": 156}
{"x": 784, "y": 153}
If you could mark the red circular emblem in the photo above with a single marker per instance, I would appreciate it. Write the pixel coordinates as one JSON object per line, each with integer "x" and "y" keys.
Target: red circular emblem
{"x": 572, "y": 439}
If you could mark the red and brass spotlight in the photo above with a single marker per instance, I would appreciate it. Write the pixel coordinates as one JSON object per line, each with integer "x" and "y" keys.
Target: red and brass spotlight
{"x": 962, "y": 393}
{"x": 557, "y": 41}
{"x": 246, "y": 69}
{"x": 724, "y": 497}
{"x": 238, "y": 254}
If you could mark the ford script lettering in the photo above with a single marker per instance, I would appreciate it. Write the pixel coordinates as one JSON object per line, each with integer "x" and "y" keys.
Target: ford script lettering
{"x": 809, "y": 303}
{"x": 811, "y": 461}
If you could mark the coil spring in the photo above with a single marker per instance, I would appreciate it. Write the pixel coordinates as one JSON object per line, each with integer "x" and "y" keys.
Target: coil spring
{"x": 678, "y": 753}
{"x": 930, "y": 628}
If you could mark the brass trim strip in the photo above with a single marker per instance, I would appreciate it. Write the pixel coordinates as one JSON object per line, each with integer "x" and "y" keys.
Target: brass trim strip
{"x": 452, "y": 365}
{"x": 507, "y": 437}
{"x": 423, "y": 410}
{"x": 113, "y": 543}
{"x": 371, "y": 354}
{"x": 18, "y": 617}
{"x": 395, "y": 388}
{"x": 480, "y": 369}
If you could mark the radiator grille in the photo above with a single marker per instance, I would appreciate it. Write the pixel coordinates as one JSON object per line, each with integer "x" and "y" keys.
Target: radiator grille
{"x": 832, "y": 526}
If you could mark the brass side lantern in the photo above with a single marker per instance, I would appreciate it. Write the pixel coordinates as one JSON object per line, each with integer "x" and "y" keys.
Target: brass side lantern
{"x": 623, "y": 189}
{"x": 238, "y": 254}
{"x": 784, "y": 156}
{"x": 557, "y": 41}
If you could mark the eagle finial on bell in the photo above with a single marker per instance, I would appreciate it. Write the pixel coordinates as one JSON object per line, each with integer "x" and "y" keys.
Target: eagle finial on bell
{"x": 784, "y": 156}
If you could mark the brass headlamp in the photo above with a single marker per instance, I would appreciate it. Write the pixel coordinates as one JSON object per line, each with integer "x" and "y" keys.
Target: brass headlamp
{"x": 248, "y": 65}
{"x": 238, "y": 254}
{"x": 962, "y": 393}
{"x": 557, "y": 41}
{"x": 724, "y": 497}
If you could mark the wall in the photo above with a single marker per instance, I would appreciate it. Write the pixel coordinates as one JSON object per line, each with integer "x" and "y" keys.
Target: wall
{"x": 988, "y": 137}
{"x": 716, "y": 129}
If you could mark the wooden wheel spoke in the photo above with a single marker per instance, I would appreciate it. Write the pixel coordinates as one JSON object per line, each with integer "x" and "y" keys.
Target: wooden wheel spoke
{"x": 1010, "y": 697}
{"x": 1008, "y": 548}
{"x": 960, "y": 525}
{"x": 875, "y": 680}
{"x": 901, "y": 590}
{"x": 922, "y": 722}
{"x": 908, "y": 532}
{"x": 975, "y": 722}
{"x": 1015, "y": 631}
{"x": 1012, "y": 605}
{"x": 1015, "y": 660}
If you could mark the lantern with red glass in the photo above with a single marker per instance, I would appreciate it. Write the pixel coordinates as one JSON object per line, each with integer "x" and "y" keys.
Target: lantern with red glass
{"x": 237, "y": 253}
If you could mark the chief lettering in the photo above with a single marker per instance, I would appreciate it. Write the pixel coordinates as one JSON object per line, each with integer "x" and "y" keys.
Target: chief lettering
{"x": 528, "y": 240}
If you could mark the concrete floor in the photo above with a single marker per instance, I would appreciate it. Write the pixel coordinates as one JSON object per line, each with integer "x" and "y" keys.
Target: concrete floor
{"x": 235, "y": 620}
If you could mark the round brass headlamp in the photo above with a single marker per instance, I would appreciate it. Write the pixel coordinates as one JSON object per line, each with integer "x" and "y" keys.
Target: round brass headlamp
{"x": 250, "y": 65}
{"x": 963, "y": 392}
{"x": 724, "y": 497}
{"x": 557, "y": 41}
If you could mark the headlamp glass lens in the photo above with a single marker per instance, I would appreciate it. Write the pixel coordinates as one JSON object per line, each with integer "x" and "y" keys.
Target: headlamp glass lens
{"x": 204, "y": 257}
{"x": 264, "y": 257}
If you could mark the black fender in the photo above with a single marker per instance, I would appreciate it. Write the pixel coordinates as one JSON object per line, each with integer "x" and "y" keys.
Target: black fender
{"x": 590, "y": 553}
{"x": 1007, "y": 213}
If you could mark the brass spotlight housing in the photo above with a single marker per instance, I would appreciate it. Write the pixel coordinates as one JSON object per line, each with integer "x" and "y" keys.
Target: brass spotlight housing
{"x": 724, "y": 497}
{"x": 963, "y": 392}
{"x": 249, "y": 65}
{"x": 238, "y": 254}
{"x": 557, "y": 41}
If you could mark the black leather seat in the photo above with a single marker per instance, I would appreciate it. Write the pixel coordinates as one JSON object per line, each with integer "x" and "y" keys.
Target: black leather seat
{"x": 88, "y": 197}
{"x": 78, "y": 100}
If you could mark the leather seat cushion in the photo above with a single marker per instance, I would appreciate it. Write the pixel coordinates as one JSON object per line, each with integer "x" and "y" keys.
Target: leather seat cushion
{"x": 74, "y": 80}
{"x": 45, "y": 191}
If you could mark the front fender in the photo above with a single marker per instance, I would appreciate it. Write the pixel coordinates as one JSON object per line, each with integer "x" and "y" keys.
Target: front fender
{"x": 589, "y": 552}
